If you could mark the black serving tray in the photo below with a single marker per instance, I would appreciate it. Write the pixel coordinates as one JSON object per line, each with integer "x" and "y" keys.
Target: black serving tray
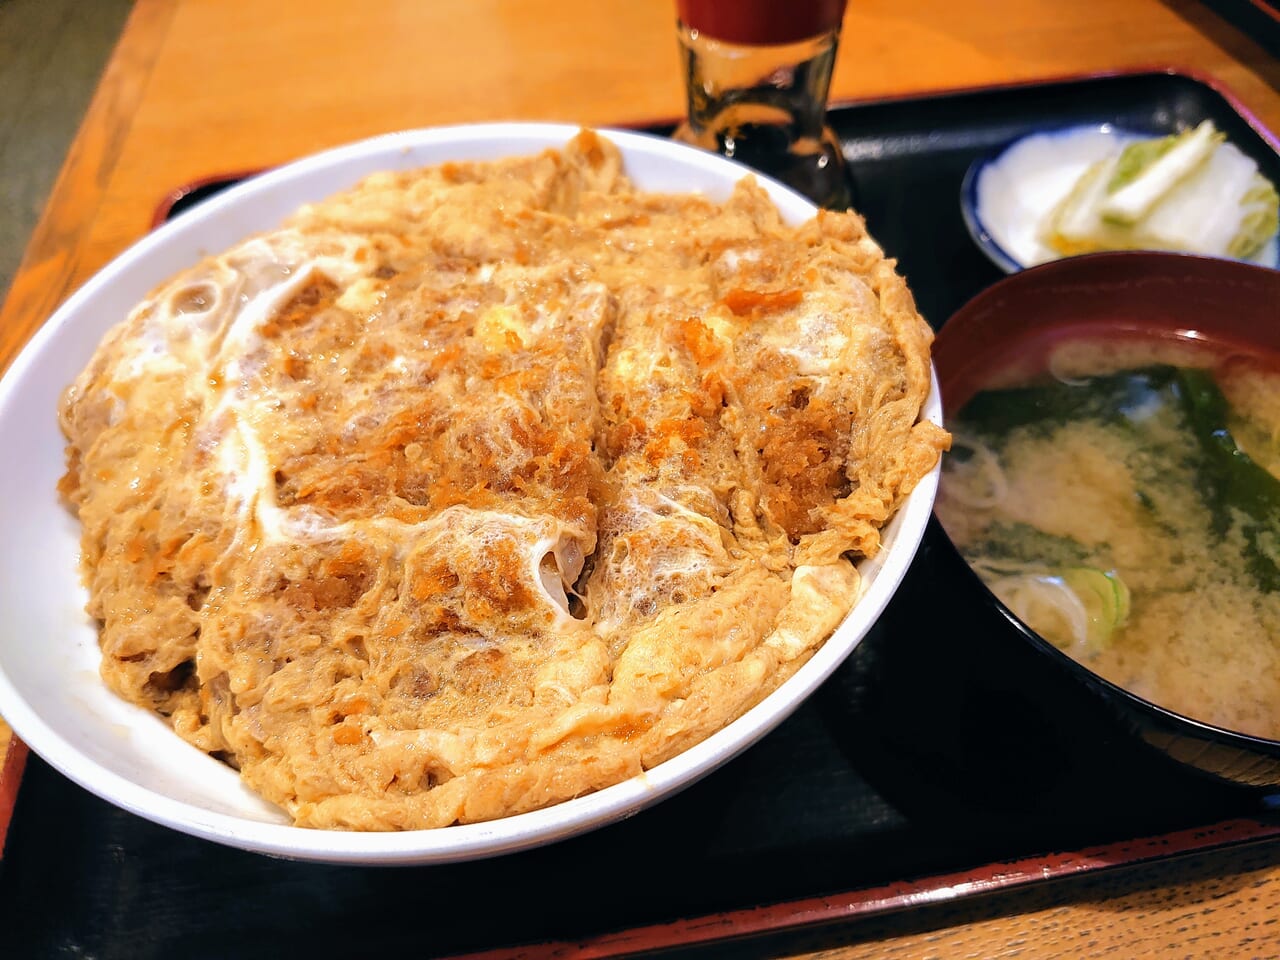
{"x": 1257, "y": 19}
{"x": 900, "y": 778}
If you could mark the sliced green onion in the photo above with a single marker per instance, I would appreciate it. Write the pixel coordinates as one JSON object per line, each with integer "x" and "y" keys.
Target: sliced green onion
{"x": 978, "y": 481}
{"x": 1105, "y": 597}
{"x": 1048, "y": 606}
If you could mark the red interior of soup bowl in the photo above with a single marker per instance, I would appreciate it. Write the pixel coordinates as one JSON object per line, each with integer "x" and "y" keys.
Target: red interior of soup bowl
{"x": 1014, "y": 324}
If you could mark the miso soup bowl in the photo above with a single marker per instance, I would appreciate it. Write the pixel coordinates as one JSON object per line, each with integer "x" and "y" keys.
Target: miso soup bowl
{"x": 991, "y": 671}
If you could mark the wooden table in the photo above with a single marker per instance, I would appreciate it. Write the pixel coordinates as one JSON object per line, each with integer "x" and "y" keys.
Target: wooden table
{"x": 198, "y": 87}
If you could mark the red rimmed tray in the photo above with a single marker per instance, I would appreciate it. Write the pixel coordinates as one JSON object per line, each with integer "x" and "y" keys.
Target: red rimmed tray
{"x": 824, "y": 821}
{"x": 779, "y": 919}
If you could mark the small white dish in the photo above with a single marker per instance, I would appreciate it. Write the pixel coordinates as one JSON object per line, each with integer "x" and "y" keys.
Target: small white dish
{"x": 1006, "y": 195}
{"x": 50, "y": 691}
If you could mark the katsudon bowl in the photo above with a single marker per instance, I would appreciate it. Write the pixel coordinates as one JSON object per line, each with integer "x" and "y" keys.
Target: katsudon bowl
{"x": 50, "y": 689}
{"x": 1024, "y": 725}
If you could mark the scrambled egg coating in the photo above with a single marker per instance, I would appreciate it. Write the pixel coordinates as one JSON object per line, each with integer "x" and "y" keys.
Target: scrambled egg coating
{"x": 479, "y": 487}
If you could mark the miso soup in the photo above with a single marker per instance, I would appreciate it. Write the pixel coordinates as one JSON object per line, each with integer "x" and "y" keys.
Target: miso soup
{"x": 1125, "y": 505}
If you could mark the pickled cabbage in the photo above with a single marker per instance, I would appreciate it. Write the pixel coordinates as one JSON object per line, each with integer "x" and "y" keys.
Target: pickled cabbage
{"x": 1192, "y": 192}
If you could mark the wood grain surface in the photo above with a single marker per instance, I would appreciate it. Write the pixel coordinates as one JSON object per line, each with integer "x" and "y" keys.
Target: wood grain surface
{"x": 199, "y": 87}
{"x": 1219, "y": 904}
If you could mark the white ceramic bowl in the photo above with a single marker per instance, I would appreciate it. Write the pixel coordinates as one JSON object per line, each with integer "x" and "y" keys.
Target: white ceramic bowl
{"x": 50, "y": 691}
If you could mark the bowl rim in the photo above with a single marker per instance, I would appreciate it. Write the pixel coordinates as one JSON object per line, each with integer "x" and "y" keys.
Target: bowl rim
{"x": 1069, "y": 271}
{"x": 519, "y": 831}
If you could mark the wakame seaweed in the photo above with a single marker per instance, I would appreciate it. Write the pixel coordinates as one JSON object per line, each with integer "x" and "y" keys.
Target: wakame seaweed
{"x": 1022, "y": 543}
{"x": 1115, "y": 398}
{"x": 1230, "y": 479}
{"x": 1231, "y": 483}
